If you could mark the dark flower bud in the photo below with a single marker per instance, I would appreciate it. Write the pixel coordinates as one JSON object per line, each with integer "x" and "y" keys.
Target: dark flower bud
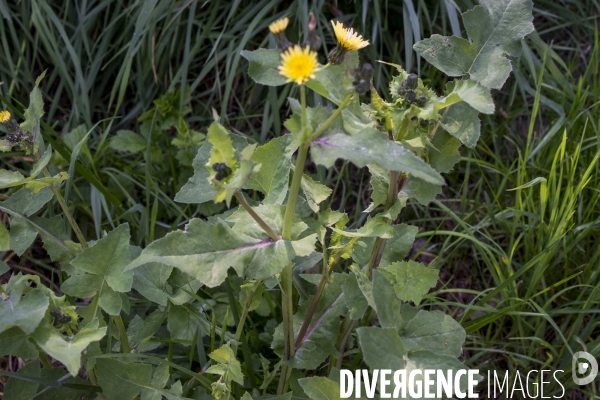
{"x": 410, "y": 97}
{"x": 222, "y": 170}
{"x": 412, "y": 82}
{"x": 367, "y": 71}
{"x": 421, "y": 101}
{"x": 424, "y": 123}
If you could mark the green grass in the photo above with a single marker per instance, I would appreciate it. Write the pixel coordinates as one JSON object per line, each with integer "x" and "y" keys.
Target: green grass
{"x": 515, "y": 232}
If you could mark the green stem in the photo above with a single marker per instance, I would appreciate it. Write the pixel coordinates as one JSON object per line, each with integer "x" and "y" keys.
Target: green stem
{"x": 125, "y": 348}
{"x": 379, "y": 245}
{"x": 44, "y": 360}
{"x": 333, "y": 116}
{"x": 65, "y": 208}
{"x": 274, "y": 236}
{"x": 240, "y": 327}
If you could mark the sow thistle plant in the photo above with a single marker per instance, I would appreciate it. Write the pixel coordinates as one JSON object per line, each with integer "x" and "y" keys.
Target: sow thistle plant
{"x": 277, "y": 269}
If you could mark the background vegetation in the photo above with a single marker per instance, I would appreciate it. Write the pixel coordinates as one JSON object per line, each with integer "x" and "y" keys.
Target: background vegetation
{"x": 516, "y": 243}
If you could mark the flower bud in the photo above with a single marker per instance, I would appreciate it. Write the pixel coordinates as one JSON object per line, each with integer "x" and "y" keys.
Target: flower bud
{"x": 410, "y": 97}
{"x": 412, "y": 82}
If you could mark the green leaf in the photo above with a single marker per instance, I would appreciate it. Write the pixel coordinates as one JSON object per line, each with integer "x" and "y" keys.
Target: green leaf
{"x": 198, "y": 188}
{"x": 434, "y": 331}
{"x": 206, "y": 251}
{"x": 68, "y": 350}
{"x": 411, "y": 280}
{"x": 443, "y": 152}
{"x": 314, "y": 192}
{"x": 371, "y": 146}
{"x": 470, "y": 92}
{"x": 396, "y": 248}
{"x": 39, "y": 166}
{"x": 54, "y": 231}
{"x": 263, "y": 66}
{"x": 10, "y": 178}
{"x": 495, "y": 29}
{"x": 387, "y": 304}
{"x": 273, "y": 177}
{"x": 103, "y": 264}
{"x": 17, "y": 389}
{"x": 382, "y": 348}
{"x": 150, "y": 281}
{"x": 14, "y": 341}
{"x": 319, "y": 388}
{"x": 26, "y": 203}
{"x": 181, "y": 323}
{"x": 355, "y": 299}
{"x": 334, "y": 82}
{"x": 364, "y": 284}
{"x": 226, "y": 364}
{"x": 129, "y": 141}
{"x": 4, "y": 240}
{"x": 423, "y": 192}
{"x": 431, "y": 360}
{"x": 462, "y": 122}
{"x": 35, "y": 111}
{"x": 122, "y": 380}
{"x": 320, "y": 342}
{"x": 23, "y": 311}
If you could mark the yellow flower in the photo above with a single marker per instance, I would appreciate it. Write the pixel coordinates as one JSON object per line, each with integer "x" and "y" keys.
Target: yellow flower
{"x": 4, "y": 116}
{"x": 298, "y": 64}
{"x": 279, "y": 26}
{"x": 347, "y": 38}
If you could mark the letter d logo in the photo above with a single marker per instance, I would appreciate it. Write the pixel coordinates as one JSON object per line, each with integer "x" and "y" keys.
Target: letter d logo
{"x": 581, "y": 367}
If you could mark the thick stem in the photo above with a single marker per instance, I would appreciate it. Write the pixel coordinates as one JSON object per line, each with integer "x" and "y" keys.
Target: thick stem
{"x": 125, "y": 348}
{"x": 274, "y": 236}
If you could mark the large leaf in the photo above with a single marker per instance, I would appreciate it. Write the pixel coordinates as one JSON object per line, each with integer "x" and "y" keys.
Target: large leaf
{"x": 382, "y": 348}
{"x": 321, "y": 337}
{"x": 198, "y": 189}
{"x": 371, "y": 146}
{"x": 396, "y": 248}
{"x": 102, "y": 271}
{"x": 434, "y": 331}
{"x": 495, "y": 29}
{"x": 22, "y": 311}
{"x": 263, "y": 66}
{"x": 320, "y": 388}
{"x": 462, "y": 122}
{"x": 68, "y": 350}
{"x": 122, "y": 380}
{"x": 387, "y": 304}
{"x": 273, "y": 177}
{"x": 206, "y": 251}
{"x": 443, "y": 152}
{"x": 411, "y": 280}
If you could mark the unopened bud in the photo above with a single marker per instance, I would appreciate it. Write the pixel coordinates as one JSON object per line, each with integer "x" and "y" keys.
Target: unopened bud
{"x": 412, "y": 82}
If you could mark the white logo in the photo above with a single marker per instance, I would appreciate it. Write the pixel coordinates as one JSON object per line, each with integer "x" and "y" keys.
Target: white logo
{"x": 581, "y": 368}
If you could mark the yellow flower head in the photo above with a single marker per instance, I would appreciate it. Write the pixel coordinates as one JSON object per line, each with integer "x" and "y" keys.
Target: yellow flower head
{"x": 4, "y": 116}
{"x": 347, "y": 38}
{"x": 298, "y": 64}
{"x": 279, "y": 26}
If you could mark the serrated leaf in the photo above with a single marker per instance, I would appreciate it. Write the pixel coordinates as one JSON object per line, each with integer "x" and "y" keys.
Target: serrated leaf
{"x": 67, "y": 350}
{"x": 382, "y": 348}
{"x": 314, "y": 192}
{"x": 411, "y": 280}
{"x": 35, "y": 111}
{"x": 263, "y": 66}
{"x": 355, "y": 299}
{"x": 198, "y": 188}
{"x": 206, "y": 251}
{"x": 462, "y": 122}
{"x": 150, "y": 279}
{"x": 371, "y": 146}
{"x": 227, "y": 364}
{"x": 320, "y": 388}
{"x": 494, "y": 29}
{"x": 22, "y": 311}
{"x": 434, "y": 331}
